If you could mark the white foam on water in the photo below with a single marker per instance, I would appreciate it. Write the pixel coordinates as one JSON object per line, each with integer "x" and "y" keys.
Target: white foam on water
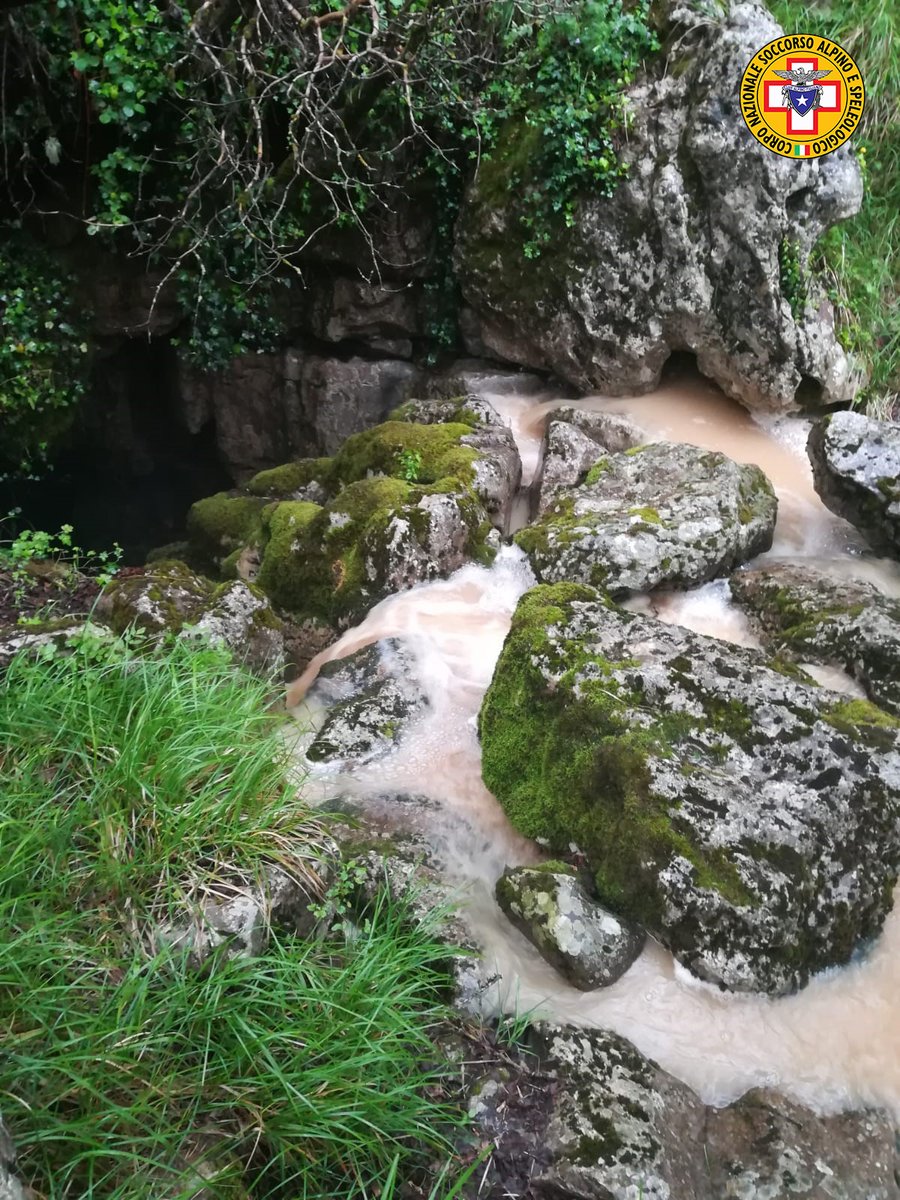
{"x": 834, "y": 1044}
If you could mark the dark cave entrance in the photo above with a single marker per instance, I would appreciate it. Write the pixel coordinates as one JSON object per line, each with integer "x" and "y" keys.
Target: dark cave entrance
{"x": 130, "y": 468}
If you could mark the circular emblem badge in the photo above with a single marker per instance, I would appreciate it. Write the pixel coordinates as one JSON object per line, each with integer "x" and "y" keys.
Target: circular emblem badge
{"x": 802, "y": 96}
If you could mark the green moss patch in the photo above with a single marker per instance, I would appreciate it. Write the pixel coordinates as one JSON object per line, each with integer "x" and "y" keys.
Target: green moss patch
{"x": 287, "y": 479}
{"x": 223, "y": 523}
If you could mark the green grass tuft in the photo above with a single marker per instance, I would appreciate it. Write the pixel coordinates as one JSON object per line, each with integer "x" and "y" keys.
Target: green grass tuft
{"x": 130, "y": 783}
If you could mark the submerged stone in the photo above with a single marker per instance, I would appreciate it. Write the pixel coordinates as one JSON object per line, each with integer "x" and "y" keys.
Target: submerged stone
{"x": 657, "y": 514}
{"x": 744, "y": 816}
{"x": 806, "y": 613}
{"x": 586, "y": 943}
{"x": 856, "y": 468}
{"x": 372, "y": 696}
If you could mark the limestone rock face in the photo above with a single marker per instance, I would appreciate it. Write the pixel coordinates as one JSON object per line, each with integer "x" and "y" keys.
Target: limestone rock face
{"x": 856, "y": 467}
{"x": 372, "y": 695}
{"x": 341, "y": 398}
{"x": 814, "y": 617}
{"x": 573, "y": 442}
{"x": 268, "y": 408}
{"x": 605, "y": 1123}
{"x": 744, "y": 816}
{"x": 584, "y": 941}
{"x": 685, "y": 255}
{"x": 658, "y": 514}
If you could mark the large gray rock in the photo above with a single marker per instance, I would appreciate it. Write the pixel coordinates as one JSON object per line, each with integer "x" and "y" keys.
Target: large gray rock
{"x": 384, "y": 314}
{"x": 812, "y": 616}
{"x": 744, "y": 816}
{"x": 657, "y": 514}
{"x": 573, "y": 441}
{"x": 586, "y": 943}
{"x": 685, "y": 255}
{"x": 856, "y": 468}
{"x": 603, "y": 1122}
{"x": 344, "y": 397}
{"x": 371, "y": 696}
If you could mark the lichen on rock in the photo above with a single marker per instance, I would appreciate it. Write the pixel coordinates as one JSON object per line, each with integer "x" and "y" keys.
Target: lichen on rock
{"x": 803, "y": 611}
{"x": 856, "y": 468}
{"x": 746, "y": 818}
{"x": 653, "y": 515}
{"x": 586, "y": 943}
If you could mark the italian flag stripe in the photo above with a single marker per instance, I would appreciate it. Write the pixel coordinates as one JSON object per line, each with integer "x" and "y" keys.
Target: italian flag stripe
{"x": 801, "y": 150}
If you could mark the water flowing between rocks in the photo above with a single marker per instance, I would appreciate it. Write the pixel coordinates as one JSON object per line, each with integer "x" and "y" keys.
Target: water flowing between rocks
{"x": 836, "y": 1043}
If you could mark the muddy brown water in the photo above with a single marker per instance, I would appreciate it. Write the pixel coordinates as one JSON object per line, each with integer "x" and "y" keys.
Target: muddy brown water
{"x": 833, "y": 1045}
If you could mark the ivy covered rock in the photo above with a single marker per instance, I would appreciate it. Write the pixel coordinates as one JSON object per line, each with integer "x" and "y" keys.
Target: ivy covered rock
{"x": 397, "y": 505}
{"x": 694, "y": 238}
{"x": 744, "y": 816}
{"x": 605, "y": 1121}
{"x": 813, "y": 616}
{"x": 371, "y": 696}
{"x": 586, "y": 943}
{"x": 573, "y": 442}
{"x": 658, "y": 514}
{"x": 856, "y": 468}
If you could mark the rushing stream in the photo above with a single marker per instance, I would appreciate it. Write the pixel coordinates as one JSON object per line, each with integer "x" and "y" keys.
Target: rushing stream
{"x": 834, "y": 1044}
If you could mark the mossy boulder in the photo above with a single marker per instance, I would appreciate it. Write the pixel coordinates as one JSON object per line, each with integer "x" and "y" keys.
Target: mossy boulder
{"x": 661, "y": 514}
{"x": 399, "y": 504}
{"x": 169, "y": 598}
{"x": 221, "y": 524}
{"x": 856, "y": 469}
{"x": 746, "y": 818}
{"x": 613, "y": 1125}
{"x": 158, "y": 601}
{"x": 377, "y": 536}
{"x": 803, "y": 612}
{"x": 586, "y": 943}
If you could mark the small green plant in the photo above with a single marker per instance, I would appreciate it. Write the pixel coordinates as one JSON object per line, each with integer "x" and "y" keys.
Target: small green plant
{"x": 409, "y": 464}
{"x": 794, "y": 276}
{"x": 35, "y": 548}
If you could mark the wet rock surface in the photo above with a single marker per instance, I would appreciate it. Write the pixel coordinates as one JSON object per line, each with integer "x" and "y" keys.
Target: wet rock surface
{"x": 745, "y": 817}
{"x": 658, "y": 514}
{"x": 573, "y": 441}
{"x": 586, "y": 943}
{"x": 607, "y": 1122}
{"x": 684, "y": 255}
{"x": 812, "y": 616}
{"x": 856, "y": 469}
{"x": 372, "y": 696}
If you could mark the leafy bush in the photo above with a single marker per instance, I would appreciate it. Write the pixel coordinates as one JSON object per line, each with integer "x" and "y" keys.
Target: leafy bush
{"x": 565, "y": 98}
{"x": 130, "y": 783}
{"x": 44, "y": 358}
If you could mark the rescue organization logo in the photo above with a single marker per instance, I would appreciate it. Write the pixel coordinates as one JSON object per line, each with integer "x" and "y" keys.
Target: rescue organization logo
{"x": 802, "y": 96}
